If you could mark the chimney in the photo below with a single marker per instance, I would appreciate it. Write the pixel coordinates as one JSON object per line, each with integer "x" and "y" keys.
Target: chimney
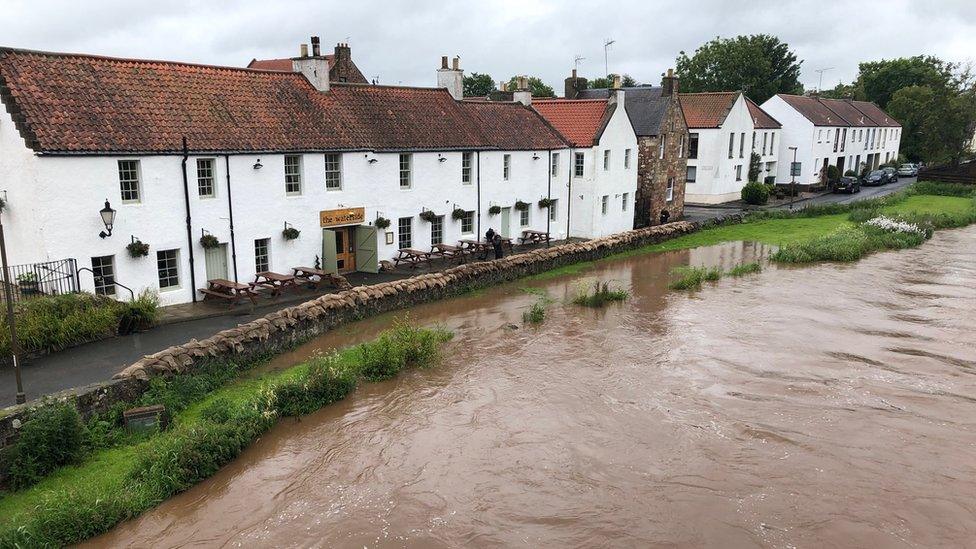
{"x": 523, "y": 94}
{"x": 669, "y": 84}
{"x": 616, "y": 94}
{"x": 341, "y": 63}
{"x": 503, "y": 86}
{"x": 616, "y": 82}
{"x": 316, "y": 48}
{"x": 574, "y": 85}
{"x": 315, "y": 68}
{"x": 303, "y": 50}
{"x": 451, "y": 77}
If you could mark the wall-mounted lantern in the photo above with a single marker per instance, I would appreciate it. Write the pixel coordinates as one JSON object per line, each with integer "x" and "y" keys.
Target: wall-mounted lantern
{"x": 108, "y": 218}
{"x": 258, "y": 165}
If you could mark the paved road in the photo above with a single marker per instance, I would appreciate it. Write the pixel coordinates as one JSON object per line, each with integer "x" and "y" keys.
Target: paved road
{"x": 100, "y": 360}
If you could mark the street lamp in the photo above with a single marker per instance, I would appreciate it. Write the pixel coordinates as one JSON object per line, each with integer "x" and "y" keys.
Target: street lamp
{"x": 8, "y": 296}
{"x": 793, "y": 178}
{"x": 108, "y": 218}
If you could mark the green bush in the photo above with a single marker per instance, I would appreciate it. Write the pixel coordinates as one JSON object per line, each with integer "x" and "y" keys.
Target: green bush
{"x": 846, "y": 244}
{"x": 402, "y": 346}
{"x": 942, "y": 189}
{"x": 536, "y": 313}
{"x": 53, "y": 436}
{"x": 602, "y": 294}
{"x": 755, "y": 193}
{"x": 325, "y": 382}
{"x": 833, "y": 174}
{"x": 139, "y": 314}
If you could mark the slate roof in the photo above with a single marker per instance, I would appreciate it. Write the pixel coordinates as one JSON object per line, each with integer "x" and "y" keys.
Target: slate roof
{"x": 580, "y": 121}
{"x": 839, "y": 112}
{"x": 706, "y": 109}
{"x": 851, "y": 114}
{"x": 83, "y": 104}
{"x": 355, "y": 77}
{"x": 645, "y": 107}
{"x": 760, "y": 118}
{"x": 882, "y": 118}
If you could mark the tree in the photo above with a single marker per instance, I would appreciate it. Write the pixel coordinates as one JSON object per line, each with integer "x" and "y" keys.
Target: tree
{"x": 937, "y": 123}
{"x": 879, "y": 80}
{"x": 759, "y": 65}
{"x": 626, "y": 81}
{"x": 536, "y": 85}
{"x": 478, "y": 85}
{"x": 842, "y": 91}
{"x": 754, "y": 167}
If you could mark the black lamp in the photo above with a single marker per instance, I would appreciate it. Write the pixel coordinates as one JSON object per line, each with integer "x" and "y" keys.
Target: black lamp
{"x": 258, "y": 165}
{"x": 108, "y": 218}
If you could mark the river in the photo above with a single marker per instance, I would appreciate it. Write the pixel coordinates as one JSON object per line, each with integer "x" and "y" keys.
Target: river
{"x": 827, "y": 406}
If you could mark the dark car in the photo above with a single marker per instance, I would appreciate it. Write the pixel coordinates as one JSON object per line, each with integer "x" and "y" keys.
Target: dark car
{"x": 877, "y": 177}
{"x": 847, "y": 185}
{"x": 891, "y": 175}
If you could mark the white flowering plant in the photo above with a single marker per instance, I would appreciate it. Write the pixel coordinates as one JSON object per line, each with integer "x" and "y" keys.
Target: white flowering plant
{"x": 895, "y": 225}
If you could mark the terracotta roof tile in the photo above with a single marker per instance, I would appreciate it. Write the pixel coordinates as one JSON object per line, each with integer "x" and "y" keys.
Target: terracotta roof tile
{"x": 284, "y": 65}
{"x": 581, "y": 121}
{"x": 707, "y": 109}
{"x": 760, "y": 118}
{"x": 512, "y": 126}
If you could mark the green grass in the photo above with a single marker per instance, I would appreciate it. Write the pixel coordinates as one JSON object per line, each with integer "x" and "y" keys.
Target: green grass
{"x": 692, "y": 278}
{"x": 744, "y": 269}
{"x": 601, "y": 295}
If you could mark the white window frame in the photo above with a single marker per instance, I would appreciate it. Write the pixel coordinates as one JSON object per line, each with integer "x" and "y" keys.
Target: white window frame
{"x": 469, "y": 220}
{"x": 669, "y": 192}
{"x": 99, "y": 273}
{"x": 525, "y": 217}
{"x": 604, "y": 204}
{"x": 172, "y": 263}
{"x": 732, "y": 145}
{"x": 554, "y": 165}
{"x": 332, "y": 163}
{"x": 506, "y": 167}
{"x": 693, "y": 170}
{"x": 625, "y": 198}
{"x": 206, "y": 182}
{"x": 626, "y": 159}
{"x": 693, "y": 137}
{"x": 437, "y": 230}
{"x": 293, "y": 179}
{"x": 662, "y": 146}
{"x": 130, "y": 180}
{"x": 738, "y": 172}
{"x": 579, "y": 164}
{"x": 466, "y": 162}
{"x": 554, "y": 210}
{"x": 606, "y": 160}
{"x": 266, "y": 243}
{"x": 406, "y": 171}
{"x": 681, "y": 146}
{"x": 401, "y": 232}
{"x": 742, "y": 145}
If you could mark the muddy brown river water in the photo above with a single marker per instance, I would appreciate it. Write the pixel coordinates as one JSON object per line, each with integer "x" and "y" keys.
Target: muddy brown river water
{"x": 826, "y": 406}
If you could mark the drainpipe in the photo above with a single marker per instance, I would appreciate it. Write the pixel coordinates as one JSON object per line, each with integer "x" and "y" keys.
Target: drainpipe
{"x": 477, "y": 235}
{"x": 189, "y": 229}
{"x": 230, "y": 212}
{"x": 569, "y": 182}
{"x": 549, "y": 196}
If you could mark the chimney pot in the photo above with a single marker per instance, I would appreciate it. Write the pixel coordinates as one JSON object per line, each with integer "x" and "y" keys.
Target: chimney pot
{"x": 444, "y": 62}
{"x": 574, "y": 73}
{"x": 616, "y": 81}
{"x": 304, "y": 50}
{"x": 316, "y": 47}
{"x": 456, "y": 64}
{"x": 670, "y": 73}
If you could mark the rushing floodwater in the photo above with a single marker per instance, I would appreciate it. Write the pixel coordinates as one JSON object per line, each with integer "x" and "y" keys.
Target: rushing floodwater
{"x": 822, "y": 406}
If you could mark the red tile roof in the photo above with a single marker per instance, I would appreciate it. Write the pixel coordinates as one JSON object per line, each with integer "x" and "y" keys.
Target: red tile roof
{"x": 513, "y": 126}
{"x": 707, "y": 109}
{"x": 277, "y": 64}
{"x": 760, "y": 118}
{"x": 581, "y": 121}
{"x": 65, "y": 103}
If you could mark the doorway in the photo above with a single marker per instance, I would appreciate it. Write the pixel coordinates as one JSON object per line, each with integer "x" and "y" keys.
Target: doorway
{"x": 506, "y": 223}
{"x": 345, "y": 250}
{"x": 216, "y": 261}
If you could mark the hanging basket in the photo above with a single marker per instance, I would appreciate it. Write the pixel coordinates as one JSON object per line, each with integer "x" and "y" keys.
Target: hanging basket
{"x": 291, "y": 233}
{"x": 137, "y": 249}
{"x": 3, "y": 205}
{"x": 545, "y": 203}
{"x": 209, "y": 242}
{"x": 382, "y": 223}
{"x": 494, "y": 210}
{"x": 521, "y": 206}
{"x": 428, "y": 216}
{"x": 458, "y": 214}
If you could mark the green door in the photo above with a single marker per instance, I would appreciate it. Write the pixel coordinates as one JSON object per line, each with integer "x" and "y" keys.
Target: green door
{"x": 507, "y": 222}
{"x": 366, "y": 260}
{"x": 329, "y": 251}
{"x": 216, "y": 262}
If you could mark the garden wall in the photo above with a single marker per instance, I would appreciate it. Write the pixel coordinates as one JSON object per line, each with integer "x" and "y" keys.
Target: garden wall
{"x": 294, "y": 325}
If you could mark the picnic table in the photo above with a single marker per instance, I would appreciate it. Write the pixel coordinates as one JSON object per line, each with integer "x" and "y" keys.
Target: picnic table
{"x": 534, "y": 237}
{"x": 411, "y": 256}
{"x": 448, "y": 251}
{"x": 229, "y": 290}
{"x": 314, "y": 277}
{"x": 472, "y": 246}
{"x": 276, "y": 282}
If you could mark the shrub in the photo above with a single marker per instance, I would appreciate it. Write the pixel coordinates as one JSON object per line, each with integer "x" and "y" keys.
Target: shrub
{"x": 942, "y": 189}
{"x": 847, "y": 244}
{"x": 323, "y": 383}
{"x": 399, "y": 347}
{"x": 139, "y": 314}
{"x": 833, "y": 174}
{"x": 53, "y": 323}
{"x": 209, "y": 241}
{"x": 137, "y": 248}
{"x": 755, "y": 193}
{"x": 850, "y": 173}
{"x": 602, "y": 294}
{"x": 691, "y": 278}
{"x": 535, "y": 314}
{"x": 53, "y": 436}
{"x": 545, "y": 203}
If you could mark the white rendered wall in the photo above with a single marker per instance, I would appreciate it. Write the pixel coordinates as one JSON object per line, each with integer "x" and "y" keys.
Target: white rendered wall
{"x": 715, "y": 179}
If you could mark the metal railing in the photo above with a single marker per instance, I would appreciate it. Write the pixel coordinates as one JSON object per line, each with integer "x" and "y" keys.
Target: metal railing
{"x": 100, "y": 281}
{"x": 40, "y": 279}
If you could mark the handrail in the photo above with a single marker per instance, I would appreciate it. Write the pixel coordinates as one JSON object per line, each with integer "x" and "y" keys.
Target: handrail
{"x": 132, "y": 295}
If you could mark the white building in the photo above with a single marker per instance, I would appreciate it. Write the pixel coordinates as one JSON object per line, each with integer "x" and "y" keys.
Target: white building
{"x": 601, "y": 178}
{"x": 852, "y": 135}
{"x": 725, "y": 128}
{"x": 263, "y": 151}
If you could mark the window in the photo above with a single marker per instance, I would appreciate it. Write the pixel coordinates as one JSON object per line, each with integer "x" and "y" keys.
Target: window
{"x": 205, "y": 178}
{"x": 466, "y": 167}
{"x": 405, "y": 178}
{"x": 405, "y": 231}
{"x": 524, "y": 217}
{"x": 731, "y": 145}
{"x": 742, "y": 145}
{"x": 738, "y": 172}
{"x": 662, "y": 146}
{"x": 772, "y": 143}
{"x": 333, "y": 172}
{"x": 669, "y": 193}
{"x": 604, "y": 203}
{"x": 819, "y": 136}
{"x": 765, "y": 139}
{"x": 681, "y": 146}
{"x": 129, "y": 180}
{"x": 843, "y": 140}
{"x": 262, "y": 255}
{"x": 836, "y": 137}
{"x": 625, "y": 199}
{"x": 168, "y": 268}
{"x": 437, "y": 230}
{"x": 626, "y": 159}
{"x": 553, "y": 210}
{"x": 293, "y": 174}
{"x": 691, "y": 174}
{"x": 467, "y": 222}
{"x": 692, "y": 145}
{"x": 606, "y": 160}
{"x": 578, "y": 165}
{"x": 103, "y": 269}
{"x": 753, "y": 141}
{"x": 506, "y": 166}
{"x": 554, "y": 168}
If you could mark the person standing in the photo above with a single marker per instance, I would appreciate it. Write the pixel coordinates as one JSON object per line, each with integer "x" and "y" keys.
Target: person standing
{"x": 489, "y": 239}
{"x": 496, "y": 243}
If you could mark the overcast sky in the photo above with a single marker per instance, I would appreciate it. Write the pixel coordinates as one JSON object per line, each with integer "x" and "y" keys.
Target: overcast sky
{"x": 402, "y": 42}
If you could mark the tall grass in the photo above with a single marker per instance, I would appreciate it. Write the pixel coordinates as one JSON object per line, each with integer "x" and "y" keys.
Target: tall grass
{"x": 846, "y": 244}
{"x": 692, "y": 278}
{"x": 744, "y": 269}
{"x": 600, "y": 296}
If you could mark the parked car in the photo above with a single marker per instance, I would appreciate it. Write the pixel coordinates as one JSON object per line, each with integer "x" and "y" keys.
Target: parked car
{"x": 877, "y": 177}
{"x": 907, "y": 170}
{"x": 847, "y": 185}
{"x": 891, "y": 175}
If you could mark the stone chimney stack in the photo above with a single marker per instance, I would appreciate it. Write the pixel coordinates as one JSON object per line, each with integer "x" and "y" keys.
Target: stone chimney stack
{"x": 523, "y": 94}
{"x": 342, "y": 62}
{"x": 451, "y": 77}
{"x": 303, "y": 50}
{"x": 574, "y": 86}
{"x": 616, "y": 94}
{"x": 314, "y": 67}
{"x": 669, "y": 84}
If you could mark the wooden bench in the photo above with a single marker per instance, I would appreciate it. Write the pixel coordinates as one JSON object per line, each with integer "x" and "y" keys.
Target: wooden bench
{"x": 448, "y": 251}
{"x": 411, "y": 257}
{"x": 228, "y": 290}
{"x": 317, "y": 277}
{"x": 275, "y": 282}
{"x": 535, "y": 237}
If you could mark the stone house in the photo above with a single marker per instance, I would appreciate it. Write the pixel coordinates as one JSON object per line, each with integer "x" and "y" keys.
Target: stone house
{"x": 662, "y": 145}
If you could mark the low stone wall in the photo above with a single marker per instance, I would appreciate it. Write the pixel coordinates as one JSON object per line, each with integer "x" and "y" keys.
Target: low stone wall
{"x": 288, "y": 327}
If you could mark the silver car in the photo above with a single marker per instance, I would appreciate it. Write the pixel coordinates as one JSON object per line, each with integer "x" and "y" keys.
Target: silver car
{"x": 908, "y": 170}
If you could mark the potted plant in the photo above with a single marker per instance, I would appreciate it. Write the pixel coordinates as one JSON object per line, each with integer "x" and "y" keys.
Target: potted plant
{"x": 209, "y": 241}
{"x": 458, "y": 214}
{"x": 494, "y": 210}
{"x": 428, "y": 216}
{"x": 521, "y": 206}
{"x": 137, "y": 249}
{"x": 28, "y": 283}
{"x": 382, "y": 223}
{"x": 3, "y": 205}
{"x": 545, "y": 202}
{"x": 290, "y": 233}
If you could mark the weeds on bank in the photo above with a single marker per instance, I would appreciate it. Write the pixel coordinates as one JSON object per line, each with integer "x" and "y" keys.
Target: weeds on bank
{"x": 536, "y": 313}
{"x": 692, "y": 278}
{"x": 744, "y": 269}
{"x": 600, "y": 296}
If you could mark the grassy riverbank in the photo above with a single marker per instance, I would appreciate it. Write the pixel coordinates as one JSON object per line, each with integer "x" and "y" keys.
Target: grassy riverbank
{"x": 215, "y": 416}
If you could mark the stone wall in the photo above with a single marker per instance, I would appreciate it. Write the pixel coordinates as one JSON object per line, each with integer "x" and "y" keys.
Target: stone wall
{"x": 654, "y": 171}
{"x": 294, "y": 325}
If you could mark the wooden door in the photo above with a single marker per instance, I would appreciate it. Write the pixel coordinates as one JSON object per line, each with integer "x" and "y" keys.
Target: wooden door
{"x": 366, "y": 259}
{"x": 506, "y": 222}
{"x": 216, "y": 260}
{"x": 345, "y": 250}
{"x": 329, "y": 251}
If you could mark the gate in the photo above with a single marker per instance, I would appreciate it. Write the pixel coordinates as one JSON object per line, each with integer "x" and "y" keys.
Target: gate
{"x": 38, "y": 279}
